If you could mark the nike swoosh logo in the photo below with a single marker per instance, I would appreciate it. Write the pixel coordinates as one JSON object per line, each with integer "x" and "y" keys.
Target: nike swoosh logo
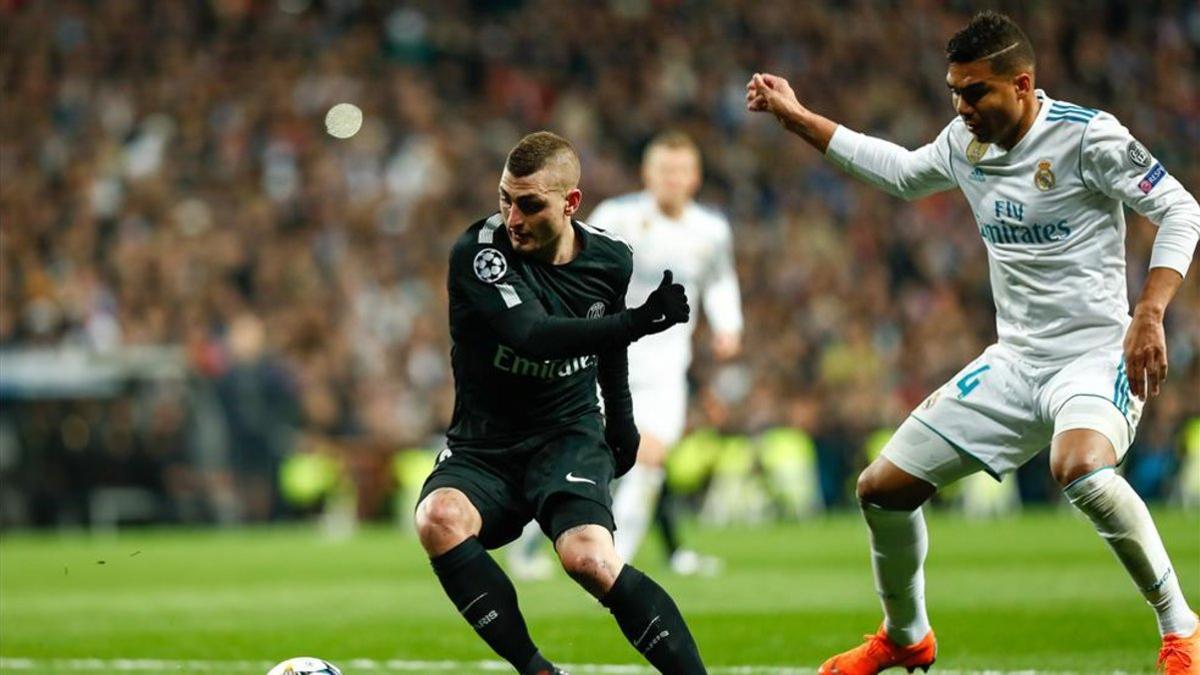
{"x": 660, "y": 319}
{"x": 572, "y": 478}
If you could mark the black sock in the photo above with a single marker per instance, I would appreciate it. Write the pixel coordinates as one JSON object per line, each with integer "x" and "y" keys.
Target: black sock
{"x": 652, "y": 623}
{"x": 664, "y": 515}
{"x": 487, "y": 600}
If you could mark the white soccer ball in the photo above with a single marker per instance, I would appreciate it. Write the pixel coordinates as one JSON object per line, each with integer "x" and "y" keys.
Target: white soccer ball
{"x": 305, "y": 665}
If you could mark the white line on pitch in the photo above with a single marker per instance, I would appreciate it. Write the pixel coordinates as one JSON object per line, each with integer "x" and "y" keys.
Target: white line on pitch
{"x": 351, "y": 666}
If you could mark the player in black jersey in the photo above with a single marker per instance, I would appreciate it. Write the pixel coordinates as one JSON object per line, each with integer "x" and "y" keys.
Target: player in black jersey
{"x": 537, "y": 319}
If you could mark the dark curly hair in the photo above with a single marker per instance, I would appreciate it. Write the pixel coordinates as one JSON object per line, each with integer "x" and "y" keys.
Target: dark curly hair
{"x": 995, "y": 37}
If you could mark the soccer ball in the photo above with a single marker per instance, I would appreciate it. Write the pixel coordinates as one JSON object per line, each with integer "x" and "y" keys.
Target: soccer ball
{"x": 305, "y": 665}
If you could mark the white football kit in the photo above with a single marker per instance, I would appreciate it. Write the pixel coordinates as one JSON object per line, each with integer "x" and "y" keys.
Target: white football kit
{"x": 1050, "y": 214}
{"x": 698, "y": 249}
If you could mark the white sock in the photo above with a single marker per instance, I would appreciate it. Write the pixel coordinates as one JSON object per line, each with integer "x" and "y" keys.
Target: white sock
{"x": 633, "y": 505}
{"x": 1122, "y": 519}
{"x": 898, "y": 546}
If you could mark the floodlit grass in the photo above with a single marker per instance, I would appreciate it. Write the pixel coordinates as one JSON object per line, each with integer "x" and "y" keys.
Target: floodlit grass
{"x": 1039, "y": 591}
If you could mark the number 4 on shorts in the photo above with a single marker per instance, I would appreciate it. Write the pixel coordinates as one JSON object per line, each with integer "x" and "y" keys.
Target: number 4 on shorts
{"x": 967, "y": 383}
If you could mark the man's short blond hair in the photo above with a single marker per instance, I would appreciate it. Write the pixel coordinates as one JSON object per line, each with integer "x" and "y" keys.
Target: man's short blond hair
{"x": 671, "y": 140}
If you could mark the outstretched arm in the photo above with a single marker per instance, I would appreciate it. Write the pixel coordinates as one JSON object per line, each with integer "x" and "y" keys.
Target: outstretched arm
{"x": 908, "y": 174}
{"x": 773, "y": 94}
{"x": 530, "y": 330}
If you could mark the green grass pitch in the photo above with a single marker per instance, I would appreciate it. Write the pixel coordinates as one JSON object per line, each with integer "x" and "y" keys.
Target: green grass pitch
{"x": 1035, "y": 592}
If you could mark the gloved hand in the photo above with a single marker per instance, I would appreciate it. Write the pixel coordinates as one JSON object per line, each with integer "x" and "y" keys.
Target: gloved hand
{"x": 623, "y": 438}
{"x": 666, "y": 306}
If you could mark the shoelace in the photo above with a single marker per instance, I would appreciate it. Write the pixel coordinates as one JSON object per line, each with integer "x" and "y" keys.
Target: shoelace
{"x": 1174, "y": 649}
{"x": 876, "y": 645}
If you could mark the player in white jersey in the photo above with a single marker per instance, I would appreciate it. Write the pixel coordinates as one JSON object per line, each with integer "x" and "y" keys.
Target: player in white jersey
{"x": 667, "y": 227}
{"x": 1046, "y": 181}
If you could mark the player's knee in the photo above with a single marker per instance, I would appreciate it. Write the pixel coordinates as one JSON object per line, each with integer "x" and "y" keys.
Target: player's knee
{"x": 1077, "y": 462}
{"x": 1078, "y": 450}
{"x": 442, "y": 517}
{"x": 589, "y": 560}
{"x": 871, "y": 486}
{"x": 878, "y": 485}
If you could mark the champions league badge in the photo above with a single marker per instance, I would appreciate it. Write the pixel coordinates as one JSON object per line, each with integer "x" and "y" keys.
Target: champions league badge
{"x": 490, "y": 265}
{"x": 976, "y": 151}
{"x": 1044, "y": 178}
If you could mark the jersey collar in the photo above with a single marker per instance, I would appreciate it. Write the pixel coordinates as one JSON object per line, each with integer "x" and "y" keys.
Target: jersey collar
{"x": 1038, "y": 121}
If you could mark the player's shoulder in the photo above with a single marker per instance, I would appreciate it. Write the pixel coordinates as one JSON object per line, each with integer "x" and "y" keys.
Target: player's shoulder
{"x": 708, "y": 218}
{"x": 627, "y": 200}
{"x": 606, "y": 241}
{"x": 610, "y": 211}
{"x": 1091, "y": 131}
{"x": 1068, "y": 115}
{"x": 485, "y": 234}
{"x": 481, "y": 233}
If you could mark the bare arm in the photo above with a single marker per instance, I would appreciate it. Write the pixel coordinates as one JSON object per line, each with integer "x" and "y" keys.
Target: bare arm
{"x": 1145, "y": 341}
{"x": 769, "y": 93}
{"x": 908, "y": 174}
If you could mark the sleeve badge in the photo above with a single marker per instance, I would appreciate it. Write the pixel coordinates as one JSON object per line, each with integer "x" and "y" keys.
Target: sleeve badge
{"x": 1138, "y": 154}
{"x": 490, "y": 265}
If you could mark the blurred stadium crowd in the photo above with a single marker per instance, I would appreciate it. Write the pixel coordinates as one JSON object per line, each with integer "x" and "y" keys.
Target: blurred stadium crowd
{"x": 173, "y": 210}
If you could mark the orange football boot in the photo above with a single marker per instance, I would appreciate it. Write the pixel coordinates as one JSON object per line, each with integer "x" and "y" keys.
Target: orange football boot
{"x": 880, "y": 653}
{"x": 1180, "y": 654}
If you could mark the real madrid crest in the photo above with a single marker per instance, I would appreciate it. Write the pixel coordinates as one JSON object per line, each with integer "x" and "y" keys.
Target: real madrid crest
{"x": 1044, "y": 178}
{"x": 976, "y": 150}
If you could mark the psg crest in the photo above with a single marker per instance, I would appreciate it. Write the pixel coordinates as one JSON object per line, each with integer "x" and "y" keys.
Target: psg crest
{"x": 490, "y": 265}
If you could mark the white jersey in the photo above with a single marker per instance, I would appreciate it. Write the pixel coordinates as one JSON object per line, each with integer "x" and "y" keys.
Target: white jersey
{"x": 1049, "y": 211}
{"x": 698, "y": 249}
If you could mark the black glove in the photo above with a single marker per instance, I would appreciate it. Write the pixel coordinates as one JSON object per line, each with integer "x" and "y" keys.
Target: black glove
{"x": 623, "y": 439}
{"x": 666, "y": 306}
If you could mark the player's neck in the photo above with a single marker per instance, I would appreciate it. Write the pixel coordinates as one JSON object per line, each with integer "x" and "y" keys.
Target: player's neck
{"x": 562, "y": 250}
{"x": 1023, "y": 126}
{"x": 672, "y": 211}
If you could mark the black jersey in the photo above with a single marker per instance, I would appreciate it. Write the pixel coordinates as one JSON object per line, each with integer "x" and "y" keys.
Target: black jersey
{"x": 501, "y": 394}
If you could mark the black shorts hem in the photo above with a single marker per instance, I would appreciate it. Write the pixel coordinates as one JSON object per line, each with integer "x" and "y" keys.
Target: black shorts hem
{"x": 568, "y": 510}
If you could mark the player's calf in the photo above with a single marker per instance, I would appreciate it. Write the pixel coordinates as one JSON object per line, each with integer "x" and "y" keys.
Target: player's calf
{"x": 652, "y": 623}
{"x": 1083, "y": 459}
{"x": 647, "y": 616}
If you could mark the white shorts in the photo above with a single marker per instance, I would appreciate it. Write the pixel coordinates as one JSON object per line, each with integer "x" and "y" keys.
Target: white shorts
{"x": 1001, "y": 410}
{"x": 660, "y": 408}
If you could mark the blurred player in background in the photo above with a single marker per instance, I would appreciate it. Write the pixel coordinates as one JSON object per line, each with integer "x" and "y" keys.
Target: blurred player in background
{"x": 1046, "y": 180}
{"x": 668, "y": 230}
{"x": 538, "y": 321}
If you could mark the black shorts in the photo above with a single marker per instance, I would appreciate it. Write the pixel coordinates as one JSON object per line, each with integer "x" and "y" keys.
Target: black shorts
{"x": 560, "y": 478}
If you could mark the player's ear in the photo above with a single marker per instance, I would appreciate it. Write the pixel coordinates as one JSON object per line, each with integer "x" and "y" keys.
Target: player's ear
{"x": 574, "y": 199}
{"x": 1023, "y": 83}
